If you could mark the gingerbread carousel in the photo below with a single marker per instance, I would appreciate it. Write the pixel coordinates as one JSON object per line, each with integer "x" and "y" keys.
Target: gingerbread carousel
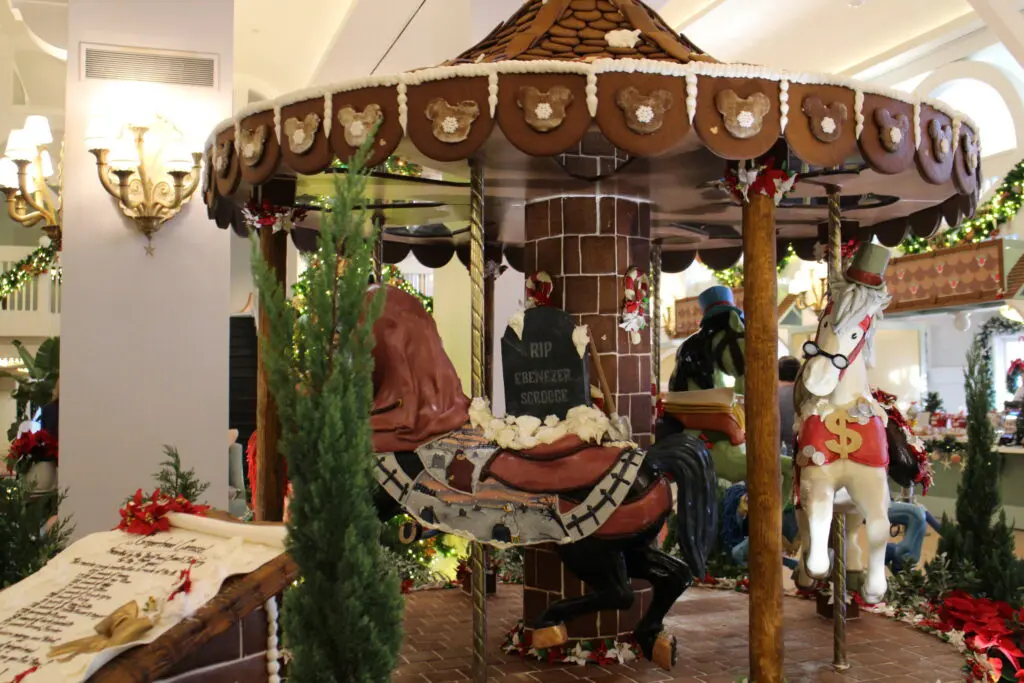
{"x": 593, "y": 147}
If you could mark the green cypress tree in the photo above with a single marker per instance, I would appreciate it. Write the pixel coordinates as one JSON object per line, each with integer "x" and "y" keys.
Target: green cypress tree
{"x": 981, "y": 551}
{"x": 343, "y": 621}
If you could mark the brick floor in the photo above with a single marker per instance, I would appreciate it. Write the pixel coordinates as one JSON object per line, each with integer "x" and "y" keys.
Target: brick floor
{"x": 711, "y": 627}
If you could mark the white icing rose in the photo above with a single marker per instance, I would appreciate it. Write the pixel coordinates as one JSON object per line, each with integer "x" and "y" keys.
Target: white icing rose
{"x": 450, "y": 124}
{"x": 543, "y": 111}
{"x": 895, "y": 135}
{"x": 622, "y": 38}
{"x": 745, "y": 118}
{"x": 581, "y": 339}
{"x": 644, "y": 114}
{"x": 516, "y": 322}
{"x": 551, "y": 421}
{"x": 528, "y": 424}
{"x": 828, "y": 125}
{"x": 510, "y": 419}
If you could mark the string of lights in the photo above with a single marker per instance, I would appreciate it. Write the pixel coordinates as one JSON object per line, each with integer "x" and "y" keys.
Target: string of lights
{"x": 22, "y": 272}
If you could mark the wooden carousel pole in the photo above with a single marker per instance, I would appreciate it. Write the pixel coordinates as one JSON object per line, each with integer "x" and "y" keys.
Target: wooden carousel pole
{"x": 270, "y": 478}
{"x": 378, "y": 248}
{"x": 656, "y": 317}
{"x": 835, "y": 270}
{"x": 764, "y": 474}
{"x": 478, "y": 553}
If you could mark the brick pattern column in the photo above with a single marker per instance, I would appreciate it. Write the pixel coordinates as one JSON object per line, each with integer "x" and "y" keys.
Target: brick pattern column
{"x": 586, "y": 244}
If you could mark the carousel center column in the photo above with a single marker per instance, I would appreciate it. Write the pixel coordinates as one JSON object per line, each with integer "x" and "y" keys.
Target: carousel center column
{"x": 587, "y": 243}
{"x": 144, "y": 331}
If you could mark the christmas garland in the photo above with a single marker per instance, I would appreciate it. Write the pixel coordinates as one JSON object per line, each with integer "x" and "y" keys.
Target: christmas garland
{"x": 947, "y": 451}
{"x": 393, "y": 276}
{"x": 600, "y": 651}
{"x": 988, "y": 218}
{"x": 393, "y": 165}
{"x": 996, "y": 325}
{"x": 40, "y": 261}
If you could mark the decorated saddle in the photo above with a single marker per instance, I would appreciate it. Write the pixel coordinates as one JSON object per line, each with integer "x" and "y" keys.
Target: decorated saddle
{"x": 569, "y": 480}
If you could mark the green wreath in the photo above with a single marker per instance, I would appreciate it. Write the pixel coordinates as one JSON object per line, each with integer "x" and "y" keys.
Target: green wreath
{"x": 997, "y": 325}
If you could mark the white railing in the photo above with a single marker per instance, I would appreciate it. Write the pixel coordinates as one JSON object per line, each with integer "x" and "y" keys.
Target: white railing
{"x": 34, "y": 310}
{"x": 423, "y": 282}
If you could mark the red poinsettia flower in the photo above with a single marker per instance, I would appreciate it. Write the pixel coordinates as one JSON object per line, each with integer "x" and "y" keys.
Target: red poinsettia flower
{"x": 147, "y": 517}
{"x": 31, "y": 448}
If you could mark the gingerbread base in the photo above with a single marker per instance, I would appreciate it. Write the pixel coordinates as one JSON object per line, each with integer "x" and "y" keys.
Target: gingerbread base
{"x": 546, "y": 580}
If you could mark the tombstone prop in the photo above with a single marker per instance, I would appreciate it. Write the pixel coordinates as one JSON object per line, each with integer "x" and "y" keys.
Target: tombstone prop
{"x": 544, "y": 373}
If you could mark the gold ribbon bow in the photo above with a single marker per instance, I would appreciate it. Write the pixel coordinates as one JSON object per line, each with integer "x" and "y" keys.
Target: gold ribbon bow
{"x": 123, "y": 626}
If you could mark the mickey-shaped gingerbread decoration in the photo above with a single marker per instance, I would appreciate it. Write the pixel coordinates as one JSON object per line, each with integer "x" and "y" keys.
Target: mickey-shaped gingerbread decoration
{"x": 252, "y": 143}
{"x": 301, "y": 133}
{"x": 942, "y": 139}
{"x": 645, "y": 114}
{"x": 743, "y": 116}
{"x": 971, "y": 149}
{"x": 222, "y": 157}
{"x": 357, "y": 125}
{"x": 544, "y": 111}
{"x": 826, "y": 121}
{"x": 452, "y": 123}
{"x": 892, "y": 130}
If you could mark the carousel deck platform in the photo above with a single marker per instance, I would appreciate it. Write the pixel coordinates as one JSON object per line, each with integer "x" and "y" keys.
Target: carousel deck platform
{"x": 711, "y": 626}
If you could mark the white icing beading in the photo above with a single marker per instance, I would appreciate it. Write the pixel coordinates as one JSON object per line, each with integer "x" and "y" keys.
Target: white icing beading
{"x": 783, "y": 104}
{"x": 691, "y": 97}
{"x": 403, "y": 107}
{"x": 273, "y": 652}
{"x": 858, "y": 109}
{"x": 492, "y": 92}
{"x": 328, "y": 114}
{"x": 917, "y": 125}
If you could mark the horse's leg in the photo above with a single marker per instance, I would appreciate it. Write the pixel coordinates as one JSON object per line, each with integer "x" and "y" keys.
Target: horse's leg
{"x": 817, "y": 493}
{"x": 668, "y": 577}
{"x": 869, "y": 489}
{"x": 801, "y": 578}
{"x": 602, "y": 568}
{"x": 854, "y": 551}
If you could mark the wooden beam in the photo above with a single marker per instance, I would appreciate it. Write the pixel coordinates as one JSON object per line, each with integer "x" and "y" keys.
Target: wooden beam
{"x": 270, "y": 482}
{"x": 1005, "y": 21}
{"x": 764, "y": 474}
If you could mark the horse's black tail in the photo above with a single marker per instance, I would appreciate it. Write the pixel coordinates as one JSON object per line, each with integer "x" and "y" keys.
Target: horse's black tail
{"x": 687, "y": 462}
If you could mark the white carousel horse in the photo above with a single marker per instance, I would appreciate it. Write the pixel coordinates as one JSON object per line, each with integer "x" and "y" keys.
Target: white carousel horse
{"x": 842, "y": 440}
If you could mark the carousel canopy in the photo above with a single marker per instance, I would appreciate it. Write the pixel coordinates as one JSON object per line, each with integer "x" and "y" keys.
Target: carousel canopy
{"x": 578, "y": 96}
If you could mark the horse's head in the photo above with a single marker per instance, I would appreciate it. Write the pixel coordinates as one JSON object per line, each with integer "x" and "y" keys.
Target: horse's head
{"x": 844, "y": 336}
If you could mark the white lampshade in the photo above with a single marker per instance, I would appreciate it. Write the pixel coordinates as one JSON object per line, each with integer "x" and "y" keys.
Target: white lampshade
{"x": 100, "y": 135}
{"x": 123, "y": 155}
{"x": 177, "y": 157}
{"x": 38, "y": 130}
{"x": 8, "y": 173}
{"x": 47, "y": 165}
{"x": 19, "y": 145}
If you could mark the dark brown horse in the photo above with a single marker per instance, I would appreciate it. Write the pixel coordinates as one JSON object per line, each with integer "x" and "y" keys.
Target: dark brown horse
{"x": 602, "y": 504}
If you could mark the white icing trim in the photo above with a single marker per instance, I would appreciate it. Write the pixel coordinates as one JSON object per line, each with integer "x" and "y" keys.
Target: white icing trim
{"x": 492, "y": 92}
{"x": 524, "y": 432}
{"x": 783, "y": 105}
{"x": 403, "y": 107}
{"x": 917, "y": 125}
{"x": 591, "y": 70}
{"x": 956, "y": 132}
{"x": 273, "y": 653}
{"x": 858, "y": 112}
{"x": 277, "y": 123}
{"x": 328, "y": 114}
{"x": 691, "y": 96}
{"x": 238, "y": 137}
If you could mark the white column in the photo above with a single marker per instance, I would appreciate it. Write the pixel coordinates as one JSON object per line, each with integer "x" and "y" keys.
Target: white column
{"x": 144, "y": 338}
{"x": 1005, "y": 21}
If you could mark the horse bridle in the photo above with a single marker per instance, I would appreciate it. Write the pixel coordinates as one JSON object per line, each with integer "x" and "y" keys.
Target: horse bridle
{"x": 839, "y": 361}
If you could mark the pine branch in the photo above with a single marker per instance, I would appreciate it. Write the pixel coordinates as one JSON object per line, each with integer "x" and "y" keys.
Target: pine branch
{"x": 175, "y": 481}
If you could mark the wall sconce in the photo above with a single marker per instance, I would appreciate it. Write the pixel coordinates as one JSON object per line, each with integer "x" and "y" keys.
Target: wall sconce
{"x": 24, "y": 170}
{"x": 133, "y": 166}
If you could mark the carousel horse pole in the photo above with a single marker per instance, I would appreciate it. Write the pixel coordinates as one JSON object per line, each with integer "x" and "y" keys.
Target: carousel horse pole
{"x": 478, "y": 553}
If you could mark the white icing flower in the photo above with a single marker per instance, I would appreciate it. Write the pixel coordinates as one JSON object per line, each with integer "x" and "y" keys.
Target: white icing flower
{"x": 517, "y": 321}
{"x": 944, "y": 146}
{"x": 644, "y": 114}
{"x": 298, "y": 136}
{"x": 622, "y": 37}
{"x": 550, "y": 420}
{"x": 581, "y": 339}
{"x": 895, "y": 135}
{"x": 543, "y": 111}
{"x": 828, "y": 125}
{"x": 528, "y": 425}
{"x": 818, "y": 458}
{"x": 450, "y": 124}
{"x": 745, "y": 118}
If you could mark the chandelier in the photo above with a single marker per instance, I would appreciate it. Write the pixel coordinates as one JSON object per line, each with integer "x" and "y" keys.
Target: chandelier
{"x": 810, "y": 286}
{"x": 25, "y": 171}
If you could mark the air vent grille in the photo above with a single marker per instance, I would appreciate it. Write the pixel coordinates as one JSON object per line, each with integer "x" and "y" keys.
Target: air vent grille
{"x": 170, "y": 68}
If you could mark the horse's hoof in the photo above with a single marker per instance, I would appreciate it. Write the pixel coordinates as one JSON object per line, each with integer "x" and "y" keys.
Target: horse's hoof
{"x": 818, "y": 572}
{"x": 664, "y": 653}
{"x": 550, "y": 636}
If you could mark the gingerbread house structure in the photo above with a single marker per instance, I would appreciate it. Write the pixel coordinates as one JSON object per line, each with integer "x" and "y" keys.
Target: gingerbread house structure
{"x": 596, "y": 139}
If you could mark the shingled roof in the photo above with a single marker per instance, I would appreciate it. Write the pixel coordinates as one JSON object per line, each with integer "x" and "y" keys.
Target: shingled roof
{"x": 575, "y": 30}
